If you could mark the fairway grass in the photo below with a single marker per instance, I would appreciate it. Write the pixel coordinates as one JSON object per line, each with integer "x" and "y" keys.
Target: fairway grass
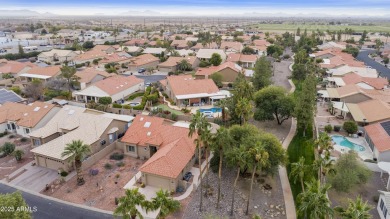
{"x": 310, "y": 27}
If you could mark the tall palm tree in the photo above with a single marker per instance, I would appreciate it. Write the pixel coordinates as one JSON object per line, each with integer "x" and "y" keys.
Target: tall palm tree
{"x": 260, "y": 159}
{"x": 76, "y": 150}
{"x": 324, "y": 143}
{"x": 356, "y": 209}
{"x": 244, "y": 110}
{"x": 165, "y": 203}
{"x": 127, "y": 204}
{"x": 206, "y": 139}
{"x": 298, "y": 171}
{"x": 220, "y": 140}
{"x": 223, "y": 105}
{"x": 198, "y": 125}
{"x": 238, "y": 157}
{"x": 314, "y": 203}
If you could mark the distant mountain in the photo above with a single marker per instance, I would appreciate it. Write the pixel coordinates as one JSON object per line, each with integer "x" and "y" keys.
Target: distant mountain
{"x": 24, "y": 13}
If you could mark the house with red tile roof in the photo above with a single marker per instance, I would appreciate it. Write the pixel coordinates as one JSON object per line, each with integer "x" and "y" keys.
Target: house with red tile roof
{"x": 116, "y": 87}
{"x": 15, "y": 68}
{"x": 120, "y": 58}
{"x": 246, "y": 61}
{"x": 365, "y": 82}
{"x": 228, "y": 70}
{"x": 179, "y": 44}
{"x": 231, "y": 47}
{"x": 168, "y": 148}
{"x": 186, "y": 89}
{"x": 136, "y": 42}
{"x": 377, "y": 136}
{"x": 42, "y": 73}
{"x": 89, "y": 76}
{"x": 171, "y": 65}
{"x": 143, "y": 61}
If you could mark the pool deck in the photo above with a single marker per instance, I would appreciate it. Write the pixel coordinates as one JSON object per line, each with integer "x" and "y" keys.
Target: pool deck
{"x": 366, "y": 154}
{"x": 195, "y": 109}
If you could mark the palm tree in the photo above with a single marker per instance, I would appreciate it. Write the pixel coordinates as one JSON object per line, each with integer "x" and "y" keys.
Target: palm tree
{"x": 298, "y": 171}
{"x": 220, "y": 140}
{"x": 237, "y": 157}
{"x": 165, "y": 203}
{"x": 127, "y": 204}
{"x": 206, "y": 139}
{"x": 260, "y": 159}
{"x": 356, "y": 210}
{"x": 314, "y": 202}
{"x": 198, "y": 125}
{"x": 184, "y": 65}
{"x": 76, "y": 150}
{"x": 223, "y": 105}
{"x": 244, "y": 110}
{"x": 324, "y": 143}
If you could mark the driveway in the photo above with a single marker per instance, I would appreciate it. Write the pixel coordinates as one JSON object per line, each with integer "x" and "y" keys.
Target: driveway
{"x": 34, "y": 178}
{"x": 281, "y": 74}
{"x": 363, "y": 56}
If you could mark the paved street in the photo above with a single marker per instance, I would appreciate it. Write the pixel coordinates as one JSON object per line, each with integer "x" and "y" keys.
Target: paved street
{"x": 49, "y": 209}
{"x": 363, "y": 56}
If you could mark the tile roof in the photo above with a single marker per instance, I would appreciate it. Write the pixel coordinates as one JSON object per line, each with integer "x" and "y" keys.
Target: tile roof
{"x": 371, "y": 110}
{"x": 116, "y": 84}
{"x": 212, "y": 69}
{"x": 235, "y": 57}
{"x": 92, "y": 54}
{"x": 377, "y": 83}
{"x": 14, "y": 67}
{"x": 88, "y": 74}
{"x": 186, "y": 84}
{"x": 212, "y": 45}
{"x": 174, "y": 61}
{"x": 115, "y": 57}
{"x": 133, "y": 42}
{"x": 24, "y": 115}
{"x": 378, "y": 136}
{"x": 207, "y": 53}
{"x": 232, "y": 45}
{"x": 45, "y": 71}
{"x": 58, "y": 52}
{"x": 179, "y": 43}
{"x": 261, "y": 43}
{"x": 156, "y": 51}
{"x": 143, "y": 59}
{"x": 176, "y": 149}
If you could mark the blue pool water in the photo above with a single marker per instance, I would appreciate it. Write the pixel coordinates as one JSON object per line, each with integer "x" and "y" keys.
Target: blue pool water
{"x": 342, "y": 141}
{"x": 214, "y": 110}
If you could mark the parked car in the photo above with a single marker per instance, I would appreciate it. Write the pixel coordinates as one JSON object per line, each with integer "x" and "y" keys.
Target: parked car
{"x": 148, "y": 84}
{"x": 141, "y": 70}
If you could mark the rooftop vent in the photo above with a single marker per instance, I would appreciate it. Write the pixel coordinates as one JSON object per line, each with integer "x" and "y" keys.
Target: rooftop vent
{"x": 25, "y": 114}
{"x": 147, "y": 124}
{"x": 36, "y": 109}
{"x": 45, "y": 106}
{"x": 148, "y": 134}
{"x": 141, "y": 119}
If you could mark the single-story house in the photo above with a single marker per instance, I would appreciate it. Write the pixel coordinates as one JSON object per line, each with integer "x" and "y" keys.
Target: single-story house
{"x": 42, "y": 73}
{"x": 130, "y": 49}
{"x": 246, "y": 61}
{"x": 136, "y": 42}
{"x": 89, "y": 76}
{"x": 349, "y": 94}
{"x": 369, "y": 111}
{"x": 366, "y": 82}
{"x": 186, "y": 89}
{"x": 205, "y": 54}
{"x": 120, "y": 58}
{"x": 228, "y": 70}
{"x": 57, "y": 56}
{"x": 377, "y": 136}
{"x": 116, "y": 87}
{"x": 199, "y": 46}
{"x": 94, "y": 128}
{"x": 331, "y": 45}
{"x": 9, "y": 96}
{"x": 180, "y": 44}
{"x": 168, "y": 148}
{"x": 383, "y": 205}
{"x": 231, "y": 47}
{"x": 143, "y": 61}
{"x": 97, "y": 52}
{"x": 13, "y": 67}
{"x": 155, "y": 51}
{"x": 24, "y": 118}
{"x": 171, "y": 65}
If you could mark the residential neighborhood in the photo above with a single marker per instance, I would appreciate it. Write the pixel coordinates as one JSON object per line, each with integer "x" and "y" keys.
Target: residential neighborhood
{"x": 157, "y": 115}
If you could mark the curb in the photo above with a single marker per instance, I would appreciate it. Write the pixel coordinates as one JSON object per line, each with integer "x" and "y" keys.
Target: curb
{"x": 56, "y": 199}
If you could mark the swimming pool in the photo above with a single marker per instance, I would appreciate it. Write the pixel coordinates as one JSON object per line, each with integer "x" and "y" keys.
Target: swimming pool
{"x": 214, "y": 110}
{"x": 342, "y": 141}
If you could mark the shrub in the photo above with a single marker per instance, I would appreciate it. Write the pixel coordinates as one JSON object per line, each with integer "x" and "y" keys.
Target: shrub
{"x": 350, "y": 127}
{"x": 11, "y": 136}
{"x": 184, "y": 110}
{"x": 116, "y": 156}
{"x": 116, "y": 105}
{"x": 93, "y": 172}
{"x": 1, "y": 135}
{"x": 18, "y": 154}
{"x": 135, "y": 95}
{"x": 120, "y": 164}
{"x": 214, "y": 162}
{"x": 336, "y": 128}
{"x": 350, "y": 172}
{"x": 64, "y": 173}
{"x": 24, "y": 139}
{"x": 126, "y": 106}
{"x": 328, "y": 128}
{"x": 174, "y": 116}
{"x": 142, "y": 185}
{"x": 108, "y": 166}
{"x": 8, "y": 148}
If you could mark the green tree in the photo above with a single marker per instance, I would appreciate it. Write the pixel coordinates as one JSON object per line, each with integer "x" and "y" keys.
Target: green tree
{"x": 11, "y": 202}
{"x": 243, "y": 110}
{"x": 76, "y": 150}
{"x": 262, "y": 73}
{"x": 184, "y": 65}
{"x": 298, "y": 171}
{"x": 304, "y": 108}
{"x": 273, "y": 102}
{"x": 386, "y": 60}
{"x": 34, "y": 90}
{"x": 219, "y": 142}
{"x": 18, "y": 154}
{"x": 165, "y": 203}
{"x": 69, "y": 74}
{"x": 356, "y": 210}
{"x": 8, "y": 148}
{"x": 298, "y": 33}
{"x": 350, "y": 172}
{"x": 223, "y": 104}
{"x": 16, "y": 89}
{"x": 314, "y": 203}
{"x": 215, "y": 59}
{"x": 378, "y": 45}
{"x": 127, "y": 204}
{"x": 274, "y": 50}
{"x": 350, "y": 127}
{"x": 242, "y": 89}
{"x": 21, "y": 51}
{"x": 198, "y": 125}
{"x": 248, "y": 50}
{"x": 105, "y": 101}
{"x": 217, "y": 78}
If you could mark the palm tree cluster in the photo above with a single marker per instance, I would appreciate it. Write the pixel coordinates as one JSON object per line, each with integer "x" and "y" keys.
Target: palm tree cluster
{"x": 130, "y": 204}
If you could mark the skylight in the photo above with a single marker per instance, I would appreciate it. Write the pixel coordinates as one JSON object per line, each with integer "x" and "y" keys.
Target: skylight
{"x": 37, "y": 108}
{"x": 147, "y": 124}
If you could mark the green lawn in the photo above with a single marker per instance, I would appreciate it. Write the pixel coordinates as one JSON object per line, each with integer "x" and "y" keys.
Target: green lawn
{"x": 165, "y": 107}
{"x": 385, "y": 27}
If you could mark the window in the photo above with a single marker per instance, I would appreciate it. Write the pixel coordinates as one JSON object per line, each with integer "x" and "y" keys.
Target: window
{"x": 8, "y": 126}
{"x": 37, "y": 142}
{"x": 130, "y": 148}
{"x": 26, "y": 130}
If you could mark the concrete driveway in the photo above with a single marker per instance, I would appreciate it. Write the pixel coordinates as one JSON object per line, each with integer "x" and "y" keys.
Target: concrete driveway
{"x": 34, "y": 178}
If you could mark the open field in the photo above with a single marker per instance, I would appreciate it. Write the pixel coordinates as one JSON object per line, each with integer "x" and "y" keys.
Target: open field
{"x": 311, "y": 26}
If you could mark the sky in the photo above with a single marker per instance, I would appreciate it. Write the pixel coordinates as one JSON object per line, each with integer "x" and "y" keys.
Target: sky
{"x": 202, "y": 7}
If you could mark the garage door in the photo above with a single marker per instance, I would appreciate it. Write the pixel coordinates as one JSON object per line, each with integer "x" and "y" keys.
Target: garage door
{"x": 49, "y": 163}
{"x": 165, "y": 69}
{"x": 41, "y": 162}
{"x": 158, "y": 182}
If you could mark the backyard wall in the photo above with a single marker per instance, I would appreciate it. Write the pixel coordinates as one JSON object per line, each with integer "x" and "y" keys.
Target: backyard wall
{"x": 99, "y": 155}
